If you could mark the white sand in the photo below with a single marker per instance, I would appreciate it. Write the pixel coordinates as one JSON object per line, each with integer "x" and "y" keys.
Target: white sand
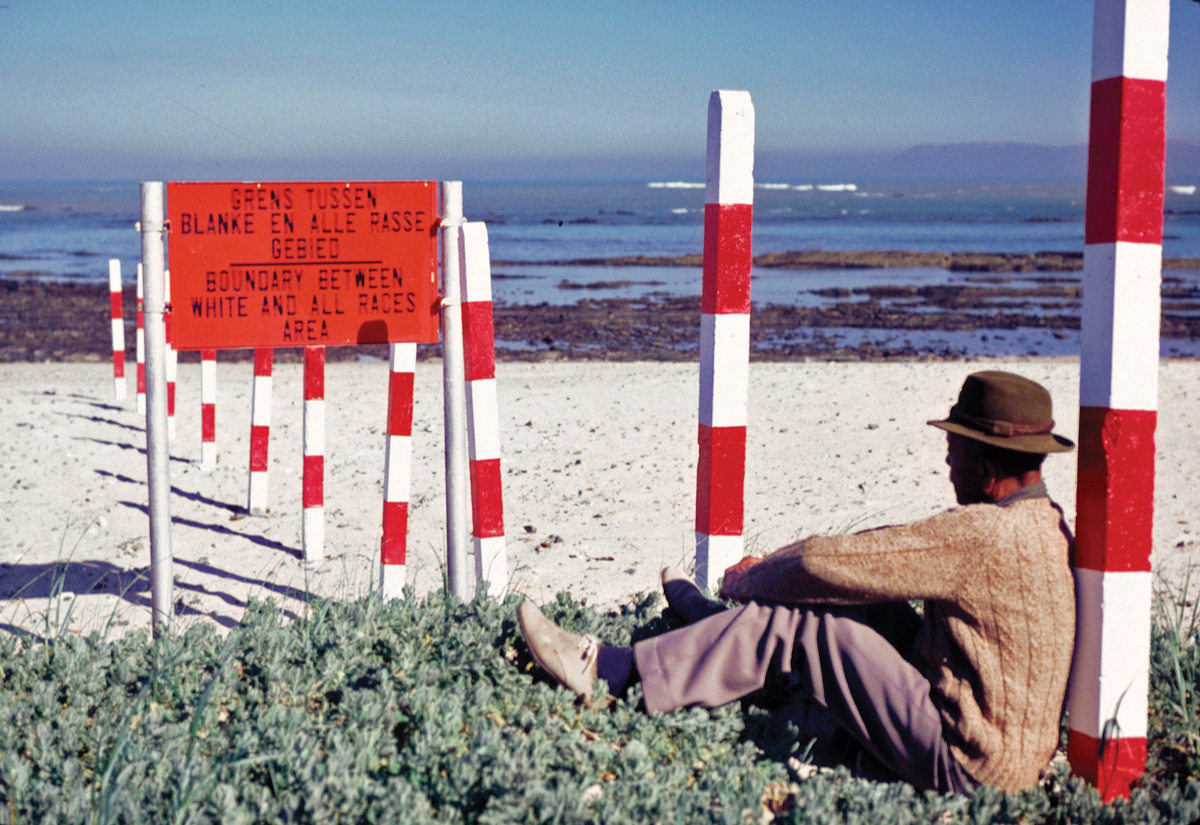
{"x": 598, "y": 459}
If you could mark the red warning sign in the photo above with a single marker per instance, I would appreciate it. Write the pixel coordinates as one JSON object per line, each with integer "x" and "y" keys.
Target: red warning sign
{"x": 297, "y": 264}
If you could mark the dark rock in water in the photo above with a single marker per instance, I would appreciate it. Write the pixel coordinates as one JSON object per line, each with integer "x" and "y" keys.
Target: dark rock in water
{"x": 41, "y": 320}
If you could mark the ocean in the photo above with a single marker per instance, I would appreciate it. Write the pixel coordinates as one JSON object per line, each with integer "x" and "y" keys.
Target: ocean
{"x": 69, "y": 230}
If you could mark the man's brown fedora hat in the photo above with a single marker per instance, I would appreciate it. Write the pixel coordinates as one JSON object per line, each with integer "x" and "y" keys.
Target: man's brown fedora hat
{"x": 1006, "y": 410}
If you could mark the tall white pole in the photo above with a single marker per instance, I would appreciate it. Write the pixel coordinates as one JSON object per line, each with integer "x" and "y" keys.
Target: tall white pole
{"x": 725, "y": 335}
{"x": 1118, "y": 394}
{"x": 454, "y": 389}
{"x": 157, "y": 450}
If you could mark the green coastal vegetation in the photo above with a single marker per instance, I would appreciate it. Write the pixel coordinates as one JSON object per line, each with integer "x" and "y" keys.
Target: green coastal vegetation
{"x": 430, "y": 710}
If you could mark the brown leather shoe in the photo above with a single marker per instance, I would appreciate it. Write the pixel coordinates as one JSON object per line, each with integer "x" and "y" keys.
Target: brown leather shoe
{"x": 569, "y": 658}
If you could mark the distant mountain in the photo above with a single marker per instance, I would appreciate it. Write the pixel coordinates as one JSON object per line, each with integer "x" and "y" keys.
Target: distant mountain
{"x": 964, "y": 163}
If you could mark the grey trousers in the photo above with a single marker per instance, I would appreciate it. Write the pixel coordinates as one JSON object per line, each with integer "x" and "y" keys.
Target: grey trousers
{"x": 847, "y": 660}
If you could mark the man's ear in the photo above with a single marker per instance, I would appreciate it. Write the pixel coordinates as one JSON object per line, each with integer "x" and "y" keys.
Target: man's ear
{"x": 988, "y": 475}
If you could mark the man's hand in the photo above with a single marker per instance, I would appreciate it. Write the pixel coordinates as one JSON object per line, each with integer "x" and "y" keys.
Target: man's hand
{"x": 732, "y": 574}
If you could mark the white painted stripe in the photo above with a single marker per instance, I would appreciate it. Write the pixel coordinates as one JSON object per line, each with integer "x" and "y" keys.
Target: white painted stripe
{"x": 171, "y": 428}
{"x": 391, "y": 581}
{"x": 475, "y": 273}
{"x": 118, "y": 335}
{"x": 140, "y": 337}
{"x": 404, "y": 358}
{"x": 484, "y": 430}
{"x": 397, "y": 468}
{"x": 724, "y": 369}
{"x": 139, "y": 282}
{"x": 1129, "y": 39}
{"x": 258, "y": 492}
{"x": 260, "y": 401}
{"x": 1120, "y": 326}
{"x": 208, "y": 454}
{"x": 119, "y": 388}
{"x": 314, "y": 427}
{"x": 491, "y": 564}
{"x": 312, "y": 535}
{"x": 1110, "y": 671}
{"x": 114, "y": 275}
{"x": 172, "y": 365}
{"x": 208, "y": 382}
{"x": 713, "y": 555}
{"x": 730, "y": 154}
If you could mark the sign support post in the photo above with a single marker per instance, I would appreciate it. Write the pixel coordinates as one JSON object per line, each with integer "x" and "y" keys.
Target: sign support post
{"x": 454, "y": 389}
{"x": 157, "y": 450}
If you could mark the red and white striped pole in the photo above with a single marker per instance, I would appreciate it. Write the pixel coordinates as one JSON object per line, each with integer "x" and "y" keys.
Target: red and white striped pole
{"x": 260, "y": 430}
{"x": 1122, "y": 270}
{"x": 724, "y": 334}
{"x": 172, "y": 362}
{"x": 141, "y": 346}
{"x": 483, "y": 412}
{"x": 208, "y": 408}
{"x": 313, "y": 528}
{"x": 397, "y": 476}
{"x": 118, "y": 327}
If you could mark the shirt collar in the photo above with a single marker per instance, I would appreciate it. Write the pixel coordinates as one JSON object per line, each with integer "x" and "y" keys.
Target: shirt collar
{"x": 1035, "y": 490}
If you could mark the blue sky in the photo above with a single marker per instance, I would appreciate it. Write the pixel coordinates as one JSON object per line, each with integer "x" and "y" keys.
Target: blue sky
{"x": 150, "y": 89}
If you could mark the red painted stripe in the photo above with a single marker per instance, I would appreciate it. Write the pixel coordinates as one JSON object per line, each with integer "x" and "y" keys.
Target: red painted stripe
{"x": 208, "y": 355}
{"x": 170, "y": 398}
{"x": 1115, "y": 491}
{"x": 118, "y": 363}
{"x": 259, "y": 441}
{"x": 727, "y": 258}
{"x": 167, "y": 327}
{"x": 208, "y": 422}
{"x": 720, "y": 481}
{"x": 314, "y": 481}
{"x": 394, "y": 546}
{"x": 479, "y": 340}
{"x": 1113, "y": 771}
{"x": 400, "y": 404}
{"x": 141, "y": 317}
{"x": 264, "y": 358}
{"x": 487, "y": 503}
{"x": 314, "y": 373}
{"x": 115, "y": 304}
{"x": 1126, "y": 157}
{"x": 141, "y": 378}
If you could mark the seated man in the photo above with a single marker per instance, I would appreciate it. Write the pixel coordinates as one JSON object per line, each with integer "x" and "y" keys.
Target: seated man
{"x": 969, "y": 693}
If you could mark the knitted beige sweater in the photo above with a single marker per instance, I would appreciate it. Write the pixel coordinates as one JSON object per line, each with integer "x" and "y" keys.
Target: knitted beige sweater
{"x": 999, "y": 619}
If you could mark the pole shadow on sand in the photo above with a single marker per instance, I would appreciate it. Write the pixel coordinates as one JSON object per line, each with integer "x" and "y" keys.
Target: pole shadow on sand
{"x": 58, "y": 580}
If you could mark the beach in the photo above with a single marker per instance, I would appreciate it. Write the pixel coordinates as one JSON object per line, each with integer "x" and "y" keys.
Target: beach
{"x": 598, "y": 464}
{"x": 871, "y": 304}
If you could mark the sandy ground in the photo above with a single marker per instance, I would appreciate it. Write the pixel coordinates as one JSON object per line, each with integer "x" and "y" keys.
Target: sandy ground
{"x": 599, "y": 479}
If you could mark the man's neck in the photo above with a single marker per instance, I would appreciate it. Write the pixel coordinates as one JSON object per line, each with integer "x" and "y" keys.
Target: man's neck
{"x": 1002, "y": 488}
